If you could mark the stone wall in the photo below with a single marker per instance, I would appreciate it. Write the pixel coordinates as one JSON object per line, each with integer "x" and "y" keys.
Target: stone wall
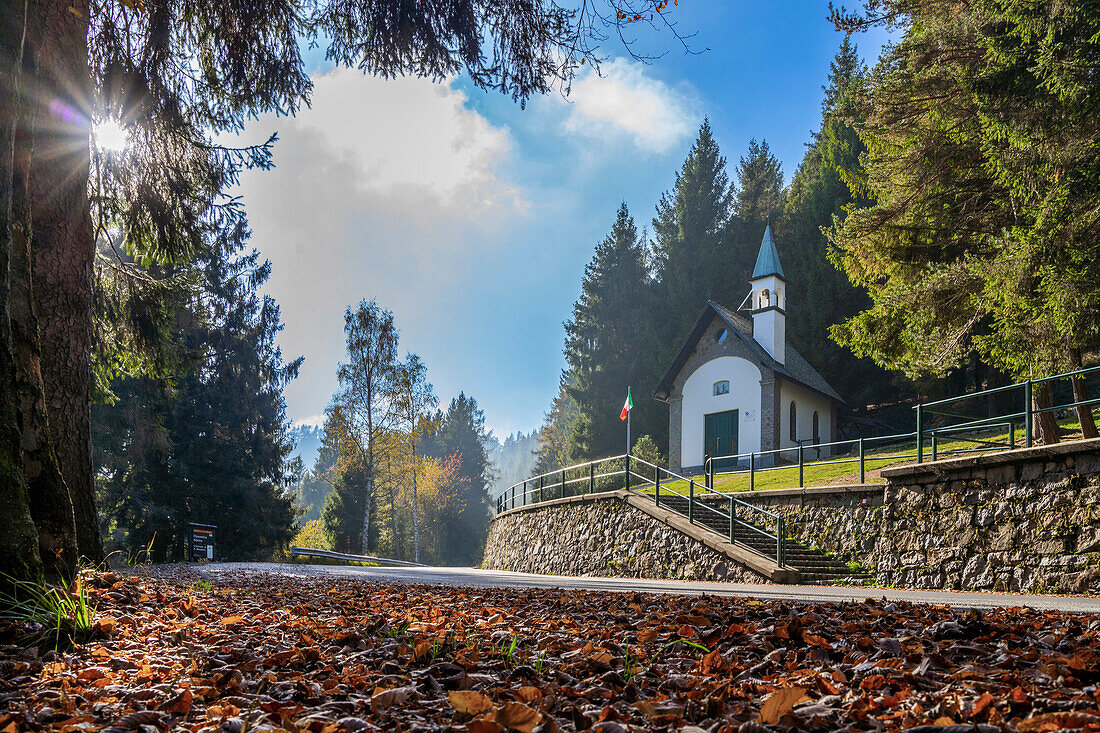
{"x": 603, "y": 536}
{"x": 841, "y": 520}
{"x": 1025, "y": 520}
{"x": 1019, "y": 521}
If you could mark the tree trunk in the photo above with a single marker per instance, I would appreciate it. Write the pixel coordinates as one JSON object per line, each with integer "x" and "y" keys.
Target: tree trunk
{"x": 1046, "y": 427}
{"x": 64, "y": 251}
{"x": 18, "y": 537}
{"x": 1081, "y": 394}
{"x": 50, "y": 506}
{"x": 1084, "y": 412}
{"x": 416, "y": 524}
{"x": 366, "y": 517}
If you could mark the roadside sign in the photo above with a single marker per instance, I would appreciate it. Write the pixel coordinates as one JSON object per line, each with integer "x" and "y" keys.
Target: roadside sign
{"x": 201, "y": 541}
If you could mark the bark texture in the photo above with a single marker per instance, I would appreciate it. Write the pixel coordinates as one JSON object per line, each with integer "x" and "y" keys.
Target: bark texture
{"x": 1084, "y": 412}
{"x": 64, "y": 251}
{"x": 50, "y": 506}
{"x": 1046, "y": 427}
{"x": 18, "y": 537}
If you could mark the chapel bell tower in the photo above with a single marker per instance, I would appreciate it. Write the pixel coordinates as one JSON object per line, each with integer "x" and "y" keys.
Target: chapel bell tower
{"x": 769, "y": 300}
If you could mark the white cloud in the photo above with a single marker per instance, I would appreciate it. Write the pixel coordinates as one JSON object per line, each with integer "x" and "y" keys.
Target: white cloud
{"x": 624, "y": 101}
{"x": 387, "y": 189}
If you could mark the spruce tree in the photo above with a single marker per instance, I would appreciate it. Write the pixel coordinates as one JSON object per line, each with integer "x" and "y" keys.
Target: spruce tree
{"x": 823, "y": 187}
{"x": 212, "y": 446}
{"x": 982, "y": 128}
{"x": 610, "y": 345}
{"x": 689, "y": 248}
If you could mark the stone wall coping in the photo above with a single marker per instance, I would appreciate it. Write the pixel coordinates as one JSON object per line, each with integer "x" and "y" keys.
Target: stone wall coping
{"x": 990, "y": 460}
{"x": 811, "y": 491}
{"x": 739, "y": 554}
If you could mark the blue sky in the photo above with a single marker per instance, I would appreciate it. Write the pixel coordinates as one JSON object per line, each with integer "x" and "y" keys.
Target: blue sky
{"x": 473, "y": 218}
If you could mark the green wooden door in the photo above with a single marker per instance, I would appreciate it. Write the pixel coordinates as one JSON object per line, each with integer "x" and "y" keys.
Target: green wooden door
{"x": 720, "y": 437}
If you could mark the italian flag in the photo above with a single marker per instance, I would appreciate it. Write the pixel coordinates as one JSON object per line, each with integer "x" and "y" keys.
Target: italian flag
{"x": 627, "y": 406}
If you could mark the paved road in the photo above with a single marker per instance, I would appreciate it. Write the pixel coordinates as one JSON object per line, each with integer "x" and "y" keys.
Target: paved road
{"x": 504, "y": 579}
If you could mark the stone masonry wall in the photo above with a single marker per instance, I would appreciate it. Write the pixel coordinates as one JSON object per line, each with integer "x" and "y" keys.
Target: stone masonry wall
{"x": 1017, "y": 521}
{"x": 603, "y": 537}
{"x": 841, "y": 520}
{"x": 1022, "y": 521}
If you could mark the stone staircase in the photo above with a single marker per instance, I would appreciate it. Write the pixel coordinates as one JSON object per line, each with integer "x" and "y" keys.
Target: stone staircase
{"x": 814, "y": 567}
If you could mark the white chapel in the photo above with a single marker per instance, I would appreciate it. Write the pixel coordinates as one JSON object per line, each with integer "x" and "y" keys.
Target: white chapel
{"x": 738, "y": 386}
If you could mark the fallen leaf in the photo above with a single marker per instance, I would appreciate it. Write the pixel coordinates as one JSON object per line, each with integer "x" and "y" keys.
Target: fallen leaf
{"x": 469, "y": 702}
{"x": 383, "y": 699}
{"x": 780, "y": 703}
{"x": 518, "y": 716}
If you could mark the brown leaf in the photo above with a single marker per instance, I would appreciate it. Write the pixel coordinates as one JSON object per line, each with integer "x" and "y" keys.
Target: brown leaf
{"x": 981, "y": 704}
{"x": 383, "y": 699}
{"x": 780, "y": 703}
{"x": 647, "y": 635}
{"x": 469, "y": 702}
{"x": 232, "y": 621}
{"x": 518, "y": 716}
{"x": 421, "y": 649}
{"x": 106, "y": 625}
{"x": 1058, "y": 721}
{"x": 528, "y": 693}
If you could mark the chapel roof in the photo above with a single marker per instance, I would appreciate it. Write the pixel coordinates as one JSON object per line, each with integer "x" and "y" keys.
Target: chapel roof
{"x": 796, "y": 368}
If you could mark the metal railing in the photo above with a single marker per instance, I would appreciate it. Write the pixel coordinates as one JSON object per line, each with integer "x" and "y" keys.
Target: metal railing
{"x": 612, "y": 474}
{"x": 296, "y": 551}
{"x": 859, "y": 451}
{"x": 1026, "y": 416}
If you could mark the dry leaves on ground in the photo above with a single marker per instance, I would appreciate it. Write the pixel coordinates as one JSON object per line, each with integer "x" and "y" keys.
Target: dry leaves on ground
{"x": 277, "y": 652}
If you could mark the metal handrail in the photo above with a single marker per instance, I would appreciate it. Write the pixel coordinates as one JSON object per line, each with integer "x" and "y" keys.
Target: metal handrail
{"x": 523, "y": 493}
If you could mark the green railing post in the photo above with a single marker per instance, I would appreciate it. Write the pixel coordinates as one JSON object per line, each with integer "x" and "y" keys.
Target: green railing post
{"x": 731, "y": 518}
{"x": 657, "y": 481}
{"x": 752, "y": 472}
{"x": 1027, "y": 414}
{"x": 920, "y": 433}
{"x": 626, "y": 477}
{"x": 691, "y": 502}
{"x": 862, "y": 463}
{"x": 657, "y": 492}
{"x": 540, "y": 490}
{"x": 935, "y": 452}
{"x": 562, "y": 484}
{"x": 708, "y": 472}
{"x": 592, "y": 477}
{"x": 780, "y": 545}
{"x": 801, "y": 467}
{"x": 1011, "y": 434}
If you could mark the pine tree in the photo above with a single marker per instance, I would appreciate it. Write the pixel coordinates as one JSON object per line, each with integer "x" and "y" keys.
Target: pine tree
{"x": 689, "y": 248}
{"x": 982, "y": 128}
{"x": 610, "y": 345}
{"x": 819, "y": 194}
{"x": 213, "y": 445}
{"x": 759, "y": 186}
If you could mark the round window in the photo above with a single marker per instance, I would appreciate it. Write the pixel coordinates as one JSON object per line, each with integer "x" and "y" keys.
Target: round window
{"x": 721, "y": 336}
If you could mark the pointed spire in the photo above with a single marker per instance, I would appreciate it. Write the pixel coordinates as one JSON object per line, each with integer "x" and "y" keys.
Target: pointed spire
{"x": 767, "y": 262}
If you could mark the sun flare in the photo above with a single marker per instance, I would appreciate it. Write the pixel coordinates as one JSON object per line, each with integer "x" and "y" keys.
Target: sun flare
{"x": 110, "y": 136}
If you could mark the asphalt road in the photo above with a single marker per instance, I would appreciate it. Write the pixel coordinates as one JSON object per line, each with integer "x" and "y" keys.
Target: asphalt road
{"x": 504, "y": 579}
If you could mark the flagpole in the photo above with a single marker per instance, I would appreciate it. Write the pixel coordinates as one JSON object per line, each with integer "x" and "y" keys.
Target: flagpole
{"x": 628, "y": 422}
